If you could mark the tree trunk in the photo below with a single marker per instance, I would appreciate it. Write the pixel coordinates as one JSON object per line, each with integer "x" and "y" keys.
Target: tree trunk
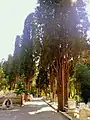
{"x": 30, "y": 85}
{"x": 60, "y": 84}
{"x": 39, "y": 92}
{"x": 66, "y": 81}
{"x": 51, "y": 84}
{"x": 45, "y": 91}
{"x": 26, "y": 85}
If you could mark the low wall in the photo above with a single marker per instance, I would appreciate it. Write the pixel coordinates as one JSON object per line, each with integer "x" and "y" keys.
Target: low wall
{"x": 15, "y": 100}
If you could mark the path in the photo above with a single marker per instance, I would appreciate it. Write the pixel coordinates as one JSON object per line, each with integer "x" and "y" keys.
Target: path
{"x": 35, "y": 110}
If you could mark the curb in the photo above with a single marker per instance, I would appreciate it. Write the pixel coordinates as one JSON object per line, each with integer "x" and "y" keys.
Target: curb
{"x": 70, "y": 118}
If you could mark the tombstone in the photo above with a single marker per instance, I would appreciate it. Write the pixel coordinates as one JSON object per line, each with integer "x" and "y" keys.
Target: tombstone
{"x": 83, "y": 115}
{"x": 82, "y": 105}
{"x": 88, "y": 103}
{"x": 71, "y": 107}
{"x": 31, "y": 96}
{"x": 7, "y": 104}
{"x": 71, "y": 104}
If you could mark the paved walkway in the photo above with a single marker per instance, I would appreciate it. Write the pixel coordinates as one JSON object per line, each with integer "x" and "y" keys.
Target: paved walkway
{"x": 35, "y": 110}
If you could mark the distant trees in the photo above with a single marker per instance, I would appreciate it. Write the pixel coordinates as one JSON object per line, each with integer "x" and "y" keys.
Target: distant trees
{"x": 22, "y": 64}
{"x": 42, "y": 81}
{"x": 3, "y": 82}
{"x": 53, "y": 39}
{"x": 9, "y": 73}
{"x": 27, "y": 63}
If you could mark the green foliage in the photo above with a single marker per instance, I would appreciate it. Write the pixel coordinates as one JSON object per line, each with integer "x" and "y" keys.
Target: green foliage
{"x": 52, "y": 32}
{"x": 33, "y": 90}
{"x": 8, "y": 68}
{"x": 42, "y": 79}
{"x": 60, "y": 31}
{"x": 83, "y": 78}
{"x": 72, "y": 87}
{"x": 16, "y": 56}
{"x": 20, "y": 88}
{"x": 27, "y": 63}
{"x": 83, "y": 74}
{"x": 3, "y": 81}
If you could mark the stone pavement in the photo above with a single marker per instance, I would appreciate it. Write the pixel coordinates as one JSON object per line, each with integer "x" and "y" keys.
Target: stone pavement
{"x": 35, "y": 110}
{"x": 54, "y": 105}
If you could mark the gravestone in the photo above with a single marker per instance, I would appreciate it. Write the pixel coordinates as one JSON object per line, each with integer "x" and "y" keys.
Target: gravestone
{"x": 82, "y": 105}
{"x": 7, "y": 104}
{"x": 84, "y": 113}
{"x": 88, "y": 103}
{"x": 71, "y": 104}
{"x": 71, "y": 107}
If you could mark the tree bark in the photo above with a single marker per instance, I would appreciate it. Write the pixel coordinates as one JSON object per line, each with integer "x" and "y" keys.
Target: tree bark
{"x": 60, "y": 84}
{"x": 66, "y": 81}
{"x": 39, "y": 92}
{"x": 51, "y": 84}
{"x": 26, "y": 85}
{"x": 30, "y": 85}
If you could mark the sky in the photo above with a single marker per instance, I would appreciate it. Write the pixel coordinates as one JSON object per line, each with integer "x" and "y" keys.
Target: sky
{"x": 12, "y": 16}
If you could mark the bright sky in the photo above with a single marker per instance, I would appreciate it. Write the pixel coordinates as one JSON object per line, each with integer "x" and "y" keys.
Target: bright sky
{"x": 12, "y": 16}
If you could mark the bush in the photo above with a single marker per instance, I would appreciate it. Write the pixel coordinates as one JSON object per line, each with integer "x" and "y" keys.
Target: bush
{"x": 83, "y": 78}
{"x": 33, "y": 90}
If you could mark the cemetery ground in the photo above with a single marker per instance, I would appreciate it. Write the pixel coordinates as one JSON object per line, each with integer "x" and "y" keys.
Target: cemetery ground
{"x": 40, "y": 108}
{"x": 36, "y": 109}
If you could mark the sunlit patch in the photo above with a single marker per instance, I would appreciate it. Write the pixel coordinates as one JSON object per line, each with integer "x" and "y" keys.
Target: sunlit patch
{"x": 42, "y": 110}
{"x": 55, "y": 105}
{"x": 35, "y": 102}
{"x": 32, "y": 113}
{"x": 73, "y": 1}
{"x": 15, "y": 110}
{"x": 88, "y": 9}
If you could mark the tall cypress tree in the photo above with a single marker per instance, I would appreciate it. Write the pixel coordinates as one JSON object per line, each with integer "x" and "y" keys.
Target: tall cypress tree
{"x": 63, "y": 30}
{"x": 27, "y": 58}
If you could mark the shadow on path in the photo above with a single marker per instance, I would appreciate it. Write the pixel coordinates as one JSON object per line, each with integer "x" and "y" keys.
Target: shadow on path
{"x": 34, "y": 110}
